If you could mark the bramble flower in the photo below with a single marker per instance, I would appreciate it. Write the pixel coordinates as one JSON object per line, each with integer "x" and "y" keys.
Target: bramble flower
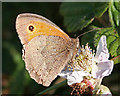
{"x": 88, "y": 69}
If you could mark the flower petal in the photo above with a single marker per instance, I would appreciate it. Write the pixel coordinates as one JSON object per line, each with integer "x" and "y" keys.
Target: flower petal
{"x": 102, "y": 51}
{"x": 64, "y": 73}
{"x": 73, "y": 76}
{"x": 76, "y": 77}
{"x": 104, "y": 68}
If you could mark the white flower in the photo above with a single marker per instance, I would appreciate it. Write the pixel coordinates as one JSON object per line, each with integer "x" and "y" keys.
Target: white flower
{"x": 73, "y": 77}
{"x": 86, "y": 65}
{"x": 104, "y": 66}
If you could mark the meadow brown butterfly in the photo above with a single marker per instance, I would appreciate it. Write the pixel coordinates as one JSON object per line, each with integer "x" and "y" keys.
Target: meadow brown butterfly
{"x": 46, "y": 48}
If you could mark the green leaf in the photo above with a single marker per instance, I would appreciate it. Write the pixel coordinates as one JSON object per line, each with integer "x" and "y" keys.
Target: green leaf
{"x": 79, "y": 15}
{"x": 114, "y": 13}
{"x": 117, "y": 5}
{"x": 100, "y": 8}
{"x": 113, "y": 40}
{"x": 116, "y": 59}
{"x": 114, "y": 46}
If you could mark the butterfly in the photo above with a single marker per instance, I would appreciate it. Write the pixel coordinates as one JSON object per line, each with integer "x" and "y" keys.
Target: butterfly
{"x": 46, "y": 48}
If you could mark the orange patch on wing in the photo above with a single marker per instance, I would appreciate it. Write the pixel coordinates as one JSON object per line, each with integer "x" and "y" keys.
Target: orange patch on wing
{"x": 43, "y": 28}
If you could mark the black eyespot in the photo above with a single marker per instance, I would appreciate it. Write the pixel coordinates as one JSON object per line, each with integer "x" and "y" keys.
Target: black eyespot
{"x": 31, "y": 28}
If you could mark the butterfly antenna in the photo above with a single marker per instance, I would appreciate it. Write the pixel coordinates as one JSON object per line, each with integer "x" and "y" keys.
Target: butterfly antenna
{"x": 88, "y": 32}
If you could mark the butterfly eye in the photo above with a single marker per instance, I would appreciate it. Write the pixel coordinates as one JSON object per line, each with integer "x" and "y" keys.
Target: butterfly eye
{"x": 31, "y": 28}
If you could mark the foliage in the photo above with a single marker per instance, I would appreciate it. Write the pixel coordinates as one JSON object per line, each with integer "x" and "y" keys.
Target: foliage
{"x": 104, "y": 17}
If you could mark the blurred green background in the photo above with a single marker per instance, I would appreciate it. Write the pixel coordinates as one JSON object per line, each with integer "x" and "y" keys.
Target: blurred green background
{"x": 15, "y": 78}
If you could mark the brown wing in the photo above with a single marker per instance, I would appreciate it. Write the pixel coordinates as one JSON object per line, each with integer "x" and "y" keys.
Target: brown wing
{"x": 45, "y": 57}
{"x": 41, "y": 25}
